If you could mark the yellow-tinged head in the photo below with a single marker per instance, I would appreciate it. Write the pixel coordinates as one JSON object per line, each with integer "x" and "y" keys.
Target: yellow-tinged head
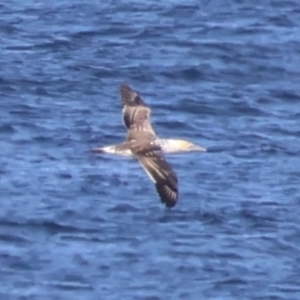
{"x": 188, "y": 146}
{"x": 177, "y": 146}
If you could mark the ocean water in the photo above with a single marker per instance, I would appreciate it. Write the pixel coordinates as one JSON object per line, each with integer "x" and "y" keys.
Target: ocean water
{"x": 222, "y": 74}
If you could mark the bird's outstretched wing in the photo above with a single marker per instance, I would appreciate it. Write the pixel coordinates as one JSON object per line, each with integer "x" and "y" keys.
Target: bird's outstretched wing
{"x": 160, "y": 172}
{"x": 140, "y": 139}
{"x": 136, "y": 114}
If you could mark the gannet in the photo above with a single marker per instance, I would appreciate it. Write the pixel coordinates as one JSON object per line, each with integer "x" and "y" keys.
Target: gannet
{"x": 143, "y": 144}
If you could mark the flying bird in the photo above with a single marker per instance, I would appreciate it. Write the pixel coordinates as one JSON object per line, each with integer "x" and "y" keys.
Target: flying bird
{"x": 143, "y": 144}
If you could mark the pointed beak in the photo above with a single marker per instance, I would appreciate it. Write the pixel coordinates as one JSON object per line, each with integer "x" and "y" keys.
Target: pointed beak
{"x": 197, "y": 148}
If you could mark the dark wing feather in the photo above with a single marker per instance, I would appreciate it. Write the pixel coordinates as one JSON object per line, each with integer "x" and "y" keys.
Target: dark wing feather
{"x": 161, "y": 173}
{"x": 136, "y": 115}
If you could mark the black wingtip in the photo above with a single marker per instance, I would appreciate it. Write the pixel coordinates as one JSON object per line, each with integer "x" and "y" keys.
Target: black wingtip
{"x": 125, "y": 89}
{"x": 169, "y": 205}
{"x": 124, "y": 86}
{"x": 129, "y": 96}
{"x": 168, "y": 194}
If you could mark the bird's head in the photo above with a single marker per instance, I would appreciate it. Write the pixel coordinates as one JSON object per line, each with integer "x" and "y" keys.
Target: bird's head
{"x": 187, "y": 146}
{"x": 177, "y": 146}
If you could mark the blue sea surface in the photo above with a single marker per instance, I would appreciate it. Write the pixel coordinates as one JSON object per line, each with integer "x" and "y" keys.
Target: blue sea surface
{"x": 221, "y": 74}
